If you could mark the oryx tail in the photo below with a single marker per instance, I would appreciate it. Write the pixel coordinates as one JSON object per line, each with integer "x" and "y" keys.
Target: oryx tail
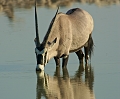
{"x": 90, "y": 45}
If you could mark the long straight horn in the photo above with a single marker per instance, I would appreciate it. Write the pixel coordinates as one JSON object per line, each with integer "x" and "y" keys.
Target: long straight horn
{"x": 56, "y": 12}
{"x": 55, "y": 15}
{"x": 36, "y": 25}
{"x": 53, "y": 20}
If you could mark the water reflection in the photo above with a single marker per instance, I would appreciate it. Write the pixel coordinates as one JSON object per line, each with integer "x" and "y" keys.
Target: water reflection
{"x": 65, "y": 87}
{"x": 7, "y": 6}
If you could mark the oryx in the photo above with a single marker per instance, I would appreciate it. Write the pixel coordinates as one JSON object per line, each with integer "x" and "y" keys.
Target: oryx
{"x": 67, "y": 33}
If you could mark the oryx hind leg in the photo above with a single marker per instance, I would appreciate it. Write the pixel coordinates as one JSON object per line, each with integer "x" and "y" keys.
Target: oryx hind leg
{"x": 80, "y": 56}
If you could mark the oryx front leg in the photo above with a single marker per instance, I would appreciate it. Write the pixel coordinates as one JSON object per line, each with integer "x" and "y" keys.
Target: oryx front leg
{"x": 57, "y": 61}
{"x": 65, "y": 61}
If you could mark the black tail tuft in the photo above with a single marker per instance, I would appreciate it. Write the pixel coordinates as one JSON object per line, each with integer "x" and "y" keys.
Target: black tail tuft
{"x": 90, "y": 45}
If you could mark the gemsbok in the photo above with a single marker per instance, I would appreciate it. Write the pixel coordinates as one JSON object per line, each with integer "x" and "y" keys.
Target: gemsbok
{"x": 67, "y": 33}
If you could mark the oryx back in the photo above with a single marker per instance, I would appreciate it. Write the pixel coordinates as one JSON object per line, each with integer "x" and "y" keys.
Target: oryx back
{"x": 82, "y": 26}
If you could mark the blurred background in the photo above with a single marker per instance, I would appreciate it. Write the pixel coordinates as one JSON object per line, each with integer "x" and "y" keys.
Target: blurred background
{"x": 18, "y": 78}
{"x": 8, "y": 6}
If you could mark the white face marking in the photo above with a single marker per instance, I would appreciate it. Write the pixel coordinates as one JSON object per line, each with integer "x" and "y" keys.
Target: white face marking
{"x": 40, "y": 52}
{"x": 45, "y": 55}
{"x": 40, "y": 67}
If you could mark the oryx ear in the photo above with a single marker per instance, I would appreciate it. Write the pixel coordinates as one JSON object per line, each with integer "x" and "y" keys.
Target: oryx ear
{"x": 55, "y": 40}
{"x": 52, "y": 43}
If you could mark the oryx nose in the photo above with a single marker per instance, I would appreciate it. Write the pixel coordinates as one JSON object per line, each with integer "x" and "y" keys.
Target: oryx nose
{"x": 40, "y": 67}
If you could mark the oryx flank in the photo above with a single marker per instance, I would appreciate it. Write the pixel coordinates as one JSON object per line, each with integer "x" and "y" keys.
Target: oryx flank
{"x": 67, "y": 33}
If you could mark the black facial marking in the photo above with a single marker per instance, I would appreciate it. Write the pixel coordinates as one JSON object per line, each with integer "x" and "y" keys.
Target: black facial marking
{"x": 40, "y": 48}
{"x": 40, "y": 59}
{"x": 45, "y": 57}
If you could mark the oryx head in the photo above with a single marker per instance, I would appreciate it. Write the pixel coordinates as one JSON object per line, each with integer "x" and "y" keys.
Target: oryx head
{"x": 42, "y": 52}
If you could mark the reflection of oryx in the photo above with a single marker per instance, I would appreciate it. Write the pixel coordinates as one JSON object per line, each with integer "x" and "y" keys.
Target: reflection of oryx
{"x": 67, "y": 33}
{"x": 58, "y": 87}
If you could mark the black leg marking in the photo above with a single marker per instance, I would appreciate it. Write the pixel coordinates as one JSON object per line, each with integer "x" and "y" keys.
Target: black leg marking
{"x": 80, "y": 71}
{"x": 57, "y": 61}
{"x": 57, "y": 72}
{"x": 80, "y": 56}
{"x": 65, "y": 73}
{"x": 65, "y": 61}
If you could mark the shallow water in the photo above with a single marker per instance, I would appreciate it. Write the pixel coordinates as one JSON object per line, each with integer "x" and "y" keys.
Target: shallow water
{"x": 18, "y": 78}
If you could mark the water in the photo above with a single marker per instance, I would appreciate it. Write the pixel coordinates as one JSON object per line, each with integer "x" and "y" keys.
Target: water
{"x": 17, "y": 59}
